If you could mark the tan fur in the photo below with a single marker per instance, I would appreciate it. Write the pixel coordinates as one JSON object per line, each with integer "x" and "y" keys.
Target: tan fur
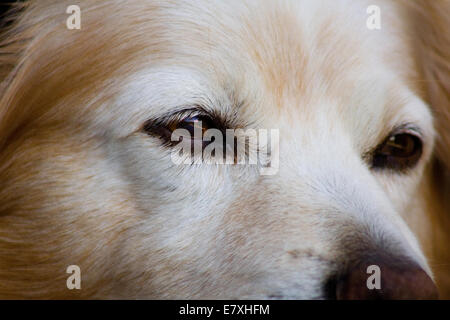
{"x": 79, "y": 184}
{"x": 431, "y": 21}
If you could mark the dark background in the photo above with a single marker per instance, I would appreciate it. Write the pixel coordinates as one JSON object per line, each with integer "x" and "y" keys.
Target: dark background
{"x": 4, "y": 7}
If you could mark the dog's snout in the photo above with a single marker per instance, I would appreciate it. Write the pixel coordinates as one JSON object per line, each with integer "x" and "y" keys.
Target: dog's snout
{"x": 385, "y": 281}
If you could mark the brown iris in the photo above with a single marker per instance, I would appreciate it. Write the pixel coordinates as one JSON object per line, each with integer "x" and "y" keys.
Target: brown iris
{"x": 398, "y": 152}
{"x": 187, "y": 128}
{"x": 192, "y": 124}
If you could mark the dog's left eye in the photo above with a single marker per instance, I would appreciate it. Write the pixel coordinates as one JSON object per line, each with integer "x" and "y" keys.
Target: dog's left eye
{"x": 398, "y": 152}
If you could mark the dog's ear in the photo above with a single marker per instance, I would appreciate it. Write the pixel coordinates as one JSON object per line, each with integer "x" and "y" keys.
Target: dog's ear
{"x": 431, "y": 25}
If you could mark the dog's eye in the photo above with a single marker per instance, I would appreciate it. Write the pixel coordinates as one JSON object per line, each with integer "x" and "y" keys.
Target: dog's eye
{"x": 191, "y": 123}
{"x": 398, "y": 152}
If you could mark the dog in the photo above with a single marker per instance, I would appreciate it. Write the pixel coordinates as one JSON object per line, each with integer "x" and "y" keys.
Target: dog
{"x": 358, "y": 92}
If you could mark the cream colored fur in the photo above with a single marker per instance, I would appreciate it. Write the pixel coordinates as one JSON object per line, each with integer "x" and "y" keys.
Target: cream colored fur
{"x": 81, "y": 184}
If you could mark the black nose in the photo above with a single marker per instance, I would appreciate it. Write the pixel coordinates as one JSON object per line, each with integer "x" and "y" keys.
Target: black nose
{"x": 386, "y": 281}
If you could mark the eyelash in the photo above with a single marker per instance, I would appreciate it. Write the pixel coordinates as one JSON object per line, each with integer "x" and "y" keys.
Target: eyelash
{"x": 160, "y": 127}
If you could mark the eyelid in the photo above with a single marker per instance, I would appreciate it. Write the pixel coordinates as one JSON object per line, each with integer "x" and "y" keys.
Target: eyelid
{"x": 409, "y": 128}
{"x": 179, "y": 115}
{"x": 166, "y": 120}
{"x": 161, "y": 125}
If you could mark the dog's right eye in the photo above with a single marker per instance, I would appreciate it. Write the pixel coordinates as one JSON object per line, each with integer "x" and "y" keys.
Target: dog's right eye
{"x": 191, "y": 122}
{"x": 398, "y": 152}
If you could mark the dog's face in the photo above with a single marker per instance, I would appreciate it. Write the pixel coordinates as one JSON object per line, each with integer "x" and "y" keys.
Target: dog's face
{"x": 90, "y": 180}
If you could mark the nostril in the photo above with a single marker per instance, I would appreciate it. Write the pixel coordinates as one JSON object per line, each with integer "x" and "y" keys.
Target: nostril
{"x": 395, "y": 283}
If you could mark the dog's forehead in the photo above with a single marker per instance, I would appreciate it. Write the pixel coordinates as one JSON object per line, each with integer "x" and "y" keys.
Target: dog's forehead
{"x": 293, "y": 56}
{"x": 287, "y": 50}
{"x": 288, "y": 58}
